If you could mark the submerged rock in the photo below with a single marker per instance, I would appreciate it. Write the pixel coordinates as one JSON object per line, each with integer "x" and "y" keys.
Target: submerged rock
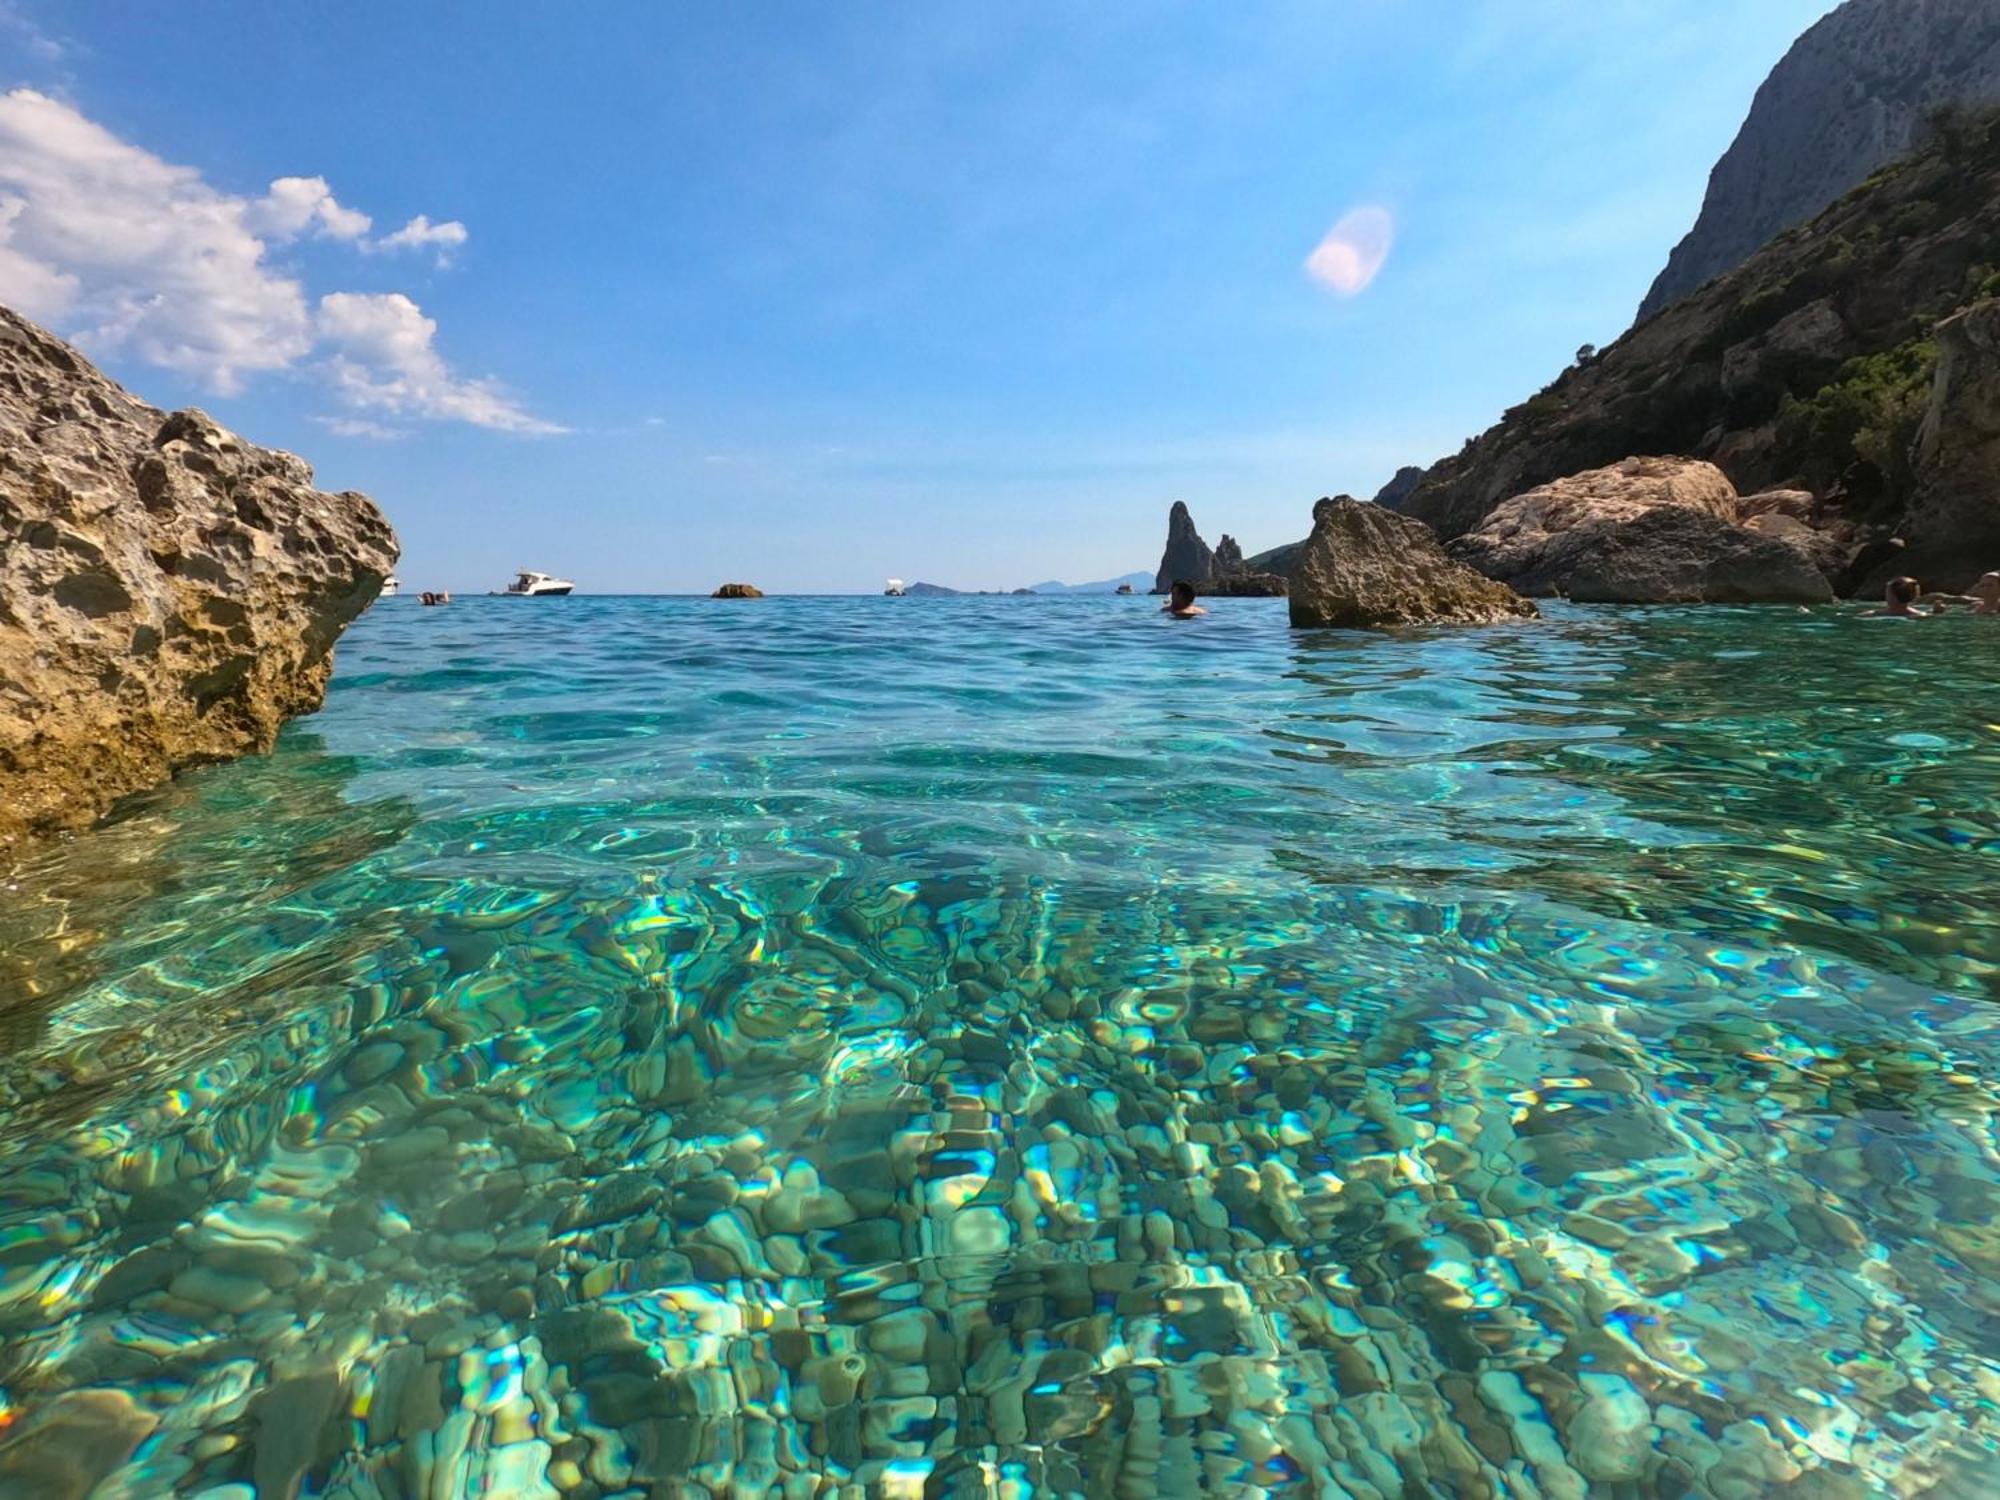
{"x": 1644, "y": 531}
{"x": 169, "y": 594}
{"x": 1366, "y": 567}
{"x": 738, "y": 591}
{"x": 1187, "y": 555}
{"x": 71, "y": 1443}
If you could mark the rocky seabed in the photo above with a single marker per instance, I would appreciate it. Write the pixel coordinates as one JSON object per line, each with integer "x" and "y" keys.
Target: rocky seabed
{"x": 687, "y": 1190}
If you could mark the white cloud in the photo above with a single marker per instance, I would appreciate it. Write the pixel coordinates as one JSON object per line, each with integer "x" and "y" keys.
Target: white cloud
{"x": 296, "y": 204}
{"x": 384, "y": 360}
{"x": 361, "y": 427}
{"x": 1354, "y": 251}
{"x": 421, "y": 232}
{"x": 135, "y": 256}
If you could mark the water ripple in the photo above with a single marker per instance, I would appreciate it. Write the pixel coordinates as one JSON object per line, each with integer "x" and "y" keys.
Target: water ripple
{"x": 1004, "y": 1046}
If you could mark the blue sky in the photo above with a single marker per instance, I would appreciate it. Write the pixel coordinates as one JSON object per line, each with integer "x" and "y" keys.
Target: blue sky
{"x": 810, "y": 295}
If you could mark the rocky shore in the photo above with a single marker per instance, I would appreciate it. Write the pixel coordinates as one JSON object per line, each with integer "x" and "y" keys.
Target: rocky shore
{"x": 169, "y": 593}
{"x": 1844, "y": 359}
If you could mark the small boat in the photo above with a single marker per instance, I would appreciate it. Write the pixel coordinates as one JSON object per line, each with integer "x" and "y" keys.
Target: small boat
{"x": 532, "y": 585}
{"x": 391, "y": 587}
{"x": 1123, "y": 588}
{"x": 895, "y": 590}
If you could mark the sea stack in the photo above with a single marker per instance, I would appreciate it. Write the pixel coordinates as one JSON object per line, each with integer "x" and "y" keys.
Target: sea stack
{"x": 738, "y": 591}
{"x": 1365, "y": 567}
{"x": 169, "y": 593}
{"x": 1187, "y": 556}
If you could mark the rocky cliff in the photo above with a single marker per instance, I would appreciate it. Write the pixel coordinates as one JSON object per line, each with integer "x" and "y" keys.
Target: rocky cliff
{"x": 169, "y": 594}
{"x": 1854, "y": 94}
{"x": 1809, "y": 367}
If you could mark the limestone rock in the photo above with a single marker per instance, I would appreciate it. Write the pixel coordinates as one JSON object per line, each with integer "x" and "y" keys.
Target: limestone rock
{"x": 1954, "y": 521}
{"x": 1245, "y": 583}
{"x": 738, "y": 591}
{"x": 1644, "y": 531}
{"x": 1800, "y": 505}
{"x": 1365, "y": 567}
{"x": 1187, "y": 555}
{"x": 1801, "y": 351}
{"x": 1400, "y": 484}
{"x": 1278, "y": 560}
{"x": 169, "y": 594}
{"x": 1852, "y": 94}
{"x": 1228, "y": 556}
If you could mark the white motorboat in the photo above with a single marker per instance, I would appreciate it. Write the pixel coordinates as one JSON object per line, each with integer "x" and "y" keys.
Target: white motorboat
{"x": 529, "y": 584}
{"x": 895, "y": 590}
{"x": 391, "y": 587}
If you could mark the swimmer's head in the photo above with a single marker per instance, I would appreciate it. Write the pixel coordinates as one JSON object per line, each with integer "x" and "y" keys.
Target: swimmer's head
{"x": 1900, "y": 592}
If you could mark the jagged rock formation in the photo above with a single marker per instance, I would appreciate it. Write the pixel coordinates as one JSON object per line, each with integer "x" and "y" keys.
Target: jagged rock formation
{"x": 1365, "y": 567}
{"x": 1852, "y": 95}
{"x": 1810, "y": 367}
{"x": 169, "y": 594}
{"x": 1233, "y": 577}
{"x": 738, "y": 591}
{"x": 1400, "y": 484}
{"x": 1187, "y": 555}
{"x": 1646, "y": 531}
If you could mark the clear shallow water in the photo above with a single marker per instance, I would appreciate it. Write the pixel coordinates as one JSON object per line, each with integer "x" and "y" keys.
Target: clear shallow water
{"x": 1027, "y": 1047}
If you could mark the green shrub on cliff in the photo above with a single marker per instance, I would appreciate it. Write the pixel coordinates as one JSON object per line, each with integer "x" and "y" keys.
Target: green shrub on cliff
{"x": 1858, "y": 429}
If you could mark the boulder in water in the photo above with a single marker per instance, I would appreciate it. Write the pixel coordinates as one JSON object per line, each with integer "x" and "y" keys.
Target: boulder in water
{"x": 1365, "y": 567}
{"x": 738, "y": 591}
{"x": 1644, "y": 531}
{"x": 169, "y": 594}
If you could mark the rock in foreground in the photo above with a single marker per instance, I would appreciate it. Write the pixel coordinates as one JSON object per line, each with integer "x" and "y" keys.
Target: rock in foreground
{"x": 738, "y": 591}
{"x": 169, "y": 594}
{"x": 1368, "y": 568}
{"x": 1645, "y": 531}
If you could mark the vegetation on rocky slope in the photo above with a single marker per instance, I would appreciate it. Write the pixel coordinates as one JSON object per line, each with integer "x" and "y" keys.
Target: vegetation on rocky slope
{"x": 1809, "y": 366}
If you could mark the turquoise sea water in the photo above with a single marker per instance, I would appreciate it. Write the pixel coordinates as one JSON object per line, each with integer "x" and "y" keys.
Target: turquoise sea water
{"x": 1022, "y": 1047}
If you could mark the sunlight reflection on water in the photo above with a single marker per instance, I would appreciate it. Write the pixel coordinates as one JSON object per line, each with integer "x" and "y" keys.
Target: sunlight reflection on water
{"x": 993, "y": 1046}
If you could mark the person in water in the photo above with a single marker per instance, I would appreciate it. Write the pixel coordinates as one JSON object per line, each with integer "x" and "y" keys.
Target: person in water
{"x": 1899, "y": 601}
{"x": 1180, "y": 601}
{"x": 1986, "y": 595}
